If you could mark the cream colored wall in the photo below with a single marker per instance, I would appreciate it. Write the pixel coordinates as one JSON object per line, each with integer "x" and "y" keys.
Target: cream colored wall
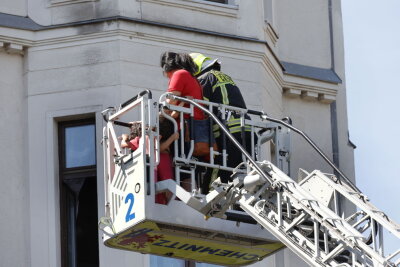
{"x": 14, "y": 189}
{"x": 346, "y": 159}
{"x": 314, "y": 119}
{"x": 67, "y": 80}
{"x": 303, "y": 29}
{"x": 73, "y": 73}
{"x": 14, "y": 7}
{"x": 243, "y": 19}
{"x": 84, "y": 69}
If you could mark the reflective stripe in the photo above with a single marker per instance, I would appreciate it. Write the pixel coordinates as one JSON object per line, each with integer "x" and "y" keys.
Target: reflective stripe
{"x": 239, "y": 129}
{"x": 233, "y": 125}
{"x": 225, "y": 99}
{"x": 233, "y": 121}
{"x": 218, "y": 85}
{"x": 206, "y": 99}
{"x": 214, "y": 176}
{"x": 223, "y": 80}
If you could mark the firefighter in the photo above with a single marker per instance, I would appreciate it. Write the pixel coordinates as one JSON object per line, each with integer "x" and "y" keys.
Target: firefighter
{"x": 220, "y": 88}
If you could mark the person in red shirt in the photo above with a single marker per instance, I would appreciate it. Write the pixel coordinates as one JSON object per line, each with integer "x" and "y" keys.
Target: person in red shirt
{"x": 180, "y": 69}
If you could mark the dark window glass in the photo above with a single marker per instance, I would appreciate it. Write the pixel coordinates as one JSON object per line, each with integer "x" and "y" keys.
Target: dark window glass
{"x": 78, "y": 194}
{"x": 80, "y": 146}
{"x": 219, "y": 1}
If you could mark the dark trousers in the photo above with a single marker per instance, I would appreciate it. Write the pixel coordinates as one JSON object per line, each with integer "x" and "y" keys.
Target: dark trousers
{"x": 234, "y": 158}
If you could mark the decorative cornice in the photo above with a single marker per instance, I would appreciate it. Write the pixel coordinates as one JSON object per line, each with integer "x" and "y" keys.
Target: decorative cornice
{"x": 11, "y": 48}
{"x": 54, "y": 3}
{"x": 200, "y": 6}
{"x": 278, "y": 70}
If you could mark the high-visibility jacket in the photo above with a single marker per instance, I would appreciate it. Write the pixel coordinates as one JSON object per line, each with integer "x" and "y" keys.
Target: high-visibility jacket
{"x": 220, "y": 88}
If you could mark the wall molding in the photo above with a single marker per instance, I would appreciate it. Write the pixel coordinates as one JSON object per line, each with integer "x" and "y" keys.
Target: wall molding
{"x": 280, "y": 71}
{"x": 270, "y": 31}
{"x": 226, "y": 10}
{"x": 11, "y": 48}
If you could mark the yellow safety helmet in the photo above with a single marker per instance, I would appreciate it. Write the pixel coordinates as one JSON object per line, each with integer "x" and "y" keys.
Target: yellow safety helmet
{"x": 202, "y": 62}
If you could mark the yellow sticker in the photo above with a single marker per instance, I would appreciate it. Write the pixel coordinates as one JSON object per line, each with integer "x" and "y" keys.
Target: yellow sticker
{"x": 147, "y": 238}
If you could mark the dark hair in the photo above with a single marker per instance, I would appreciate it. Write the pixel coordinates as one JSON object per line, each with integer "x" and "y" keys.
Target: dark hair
{"x": 166, "y": 130}
{"x": 136, "y": 130}
{"x": 174, "y": 61}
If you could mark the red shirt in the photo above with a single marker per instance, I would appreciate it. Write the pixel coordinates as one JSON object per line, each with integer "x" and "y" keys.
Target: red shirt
{"x": 182, "y": 81}
{"x": 134, "y": 143}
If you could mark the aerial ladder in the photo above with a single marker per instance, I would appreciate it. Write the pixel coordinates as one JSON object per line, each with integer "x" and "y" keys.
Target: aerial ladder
{"x": 307, "y": 216}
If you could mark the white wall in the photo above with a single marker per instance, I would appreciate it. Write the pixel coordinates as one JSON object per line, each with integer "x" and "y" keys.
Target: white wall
{"x": 14, "y": 194}
{"x": 303, "y": 29}
{"x": 14, "y": 7}
{"x": 84, "y": 69}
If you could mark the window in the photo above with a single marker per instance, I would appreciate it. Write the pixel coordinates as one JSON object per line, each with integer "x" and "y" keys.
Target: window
{"x": 78, "y": 193}
{"x": 68, "y": 2}
{"x": 156, "y": 261}
{"x": 219, "y": 1}
{"x": 231, "y": 2}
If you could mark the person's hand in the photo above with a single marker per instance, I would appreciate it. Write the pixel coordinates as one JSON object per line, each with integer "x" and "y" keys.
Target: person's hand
{"x": 124, "y": 142}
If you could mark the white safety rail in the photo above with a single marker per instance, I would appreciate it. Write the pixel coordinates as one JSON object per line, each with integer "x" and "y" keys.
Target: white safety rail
{"x": 310, "y": 228}
{"x": 307, "y": 217}
{"x": 118, "y": 161}
{"x": 261, "y": 132}
{"x": 307, "y": 222}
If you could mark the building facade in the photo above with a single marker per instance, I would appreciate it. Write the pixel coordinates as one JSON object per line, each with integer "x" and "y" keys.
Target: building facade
{"x": 64, "y": 61}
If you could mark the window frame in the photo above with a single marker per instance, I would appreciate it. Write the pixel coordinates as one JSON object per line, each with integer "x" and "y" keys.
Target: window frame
{"x": 201, "y": 6}
{"x": 62, "y": 139}
{"x": 89, "y": 171}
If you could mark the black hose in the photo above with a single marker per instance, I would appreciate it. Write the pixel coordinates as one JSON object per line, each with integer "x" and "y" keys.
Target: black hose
{"x": 316, "y": 148}
{"x": 136, "y": 97}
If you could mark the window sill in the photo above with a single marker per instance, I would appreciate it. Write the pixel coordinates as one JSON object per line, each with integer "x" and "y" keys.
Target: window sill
{"x": 54, "y": 3}
{"x": 208, "y": 7}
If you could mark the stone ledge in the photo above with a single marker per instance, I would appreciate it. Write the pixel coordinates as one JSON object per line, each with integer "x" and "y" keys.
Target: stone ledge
{"x": 11, "y": 48}
{"x": 309, "y": 95}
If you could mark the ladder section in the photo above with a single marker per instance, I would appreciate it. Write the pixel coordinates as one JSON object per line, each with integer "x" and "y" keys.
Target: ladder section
{"x": 307, "y": 216}
{"x": 365, "y": 217}
{"x": 308, "y": 223}
{"x": 311, "y": 229}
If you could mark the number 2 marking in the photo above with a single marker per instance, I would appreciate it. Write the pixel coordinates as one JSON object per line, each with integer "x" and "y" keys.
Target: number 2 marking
{"x": 130, "y": 215}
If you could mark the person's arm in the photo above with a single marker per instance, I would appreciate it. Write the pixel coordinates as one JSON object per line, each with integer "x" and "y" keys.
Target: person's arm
{"x": 164, "y": 146}
{"x": 174, "y": 114}
{"x": 124, "y": 142}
